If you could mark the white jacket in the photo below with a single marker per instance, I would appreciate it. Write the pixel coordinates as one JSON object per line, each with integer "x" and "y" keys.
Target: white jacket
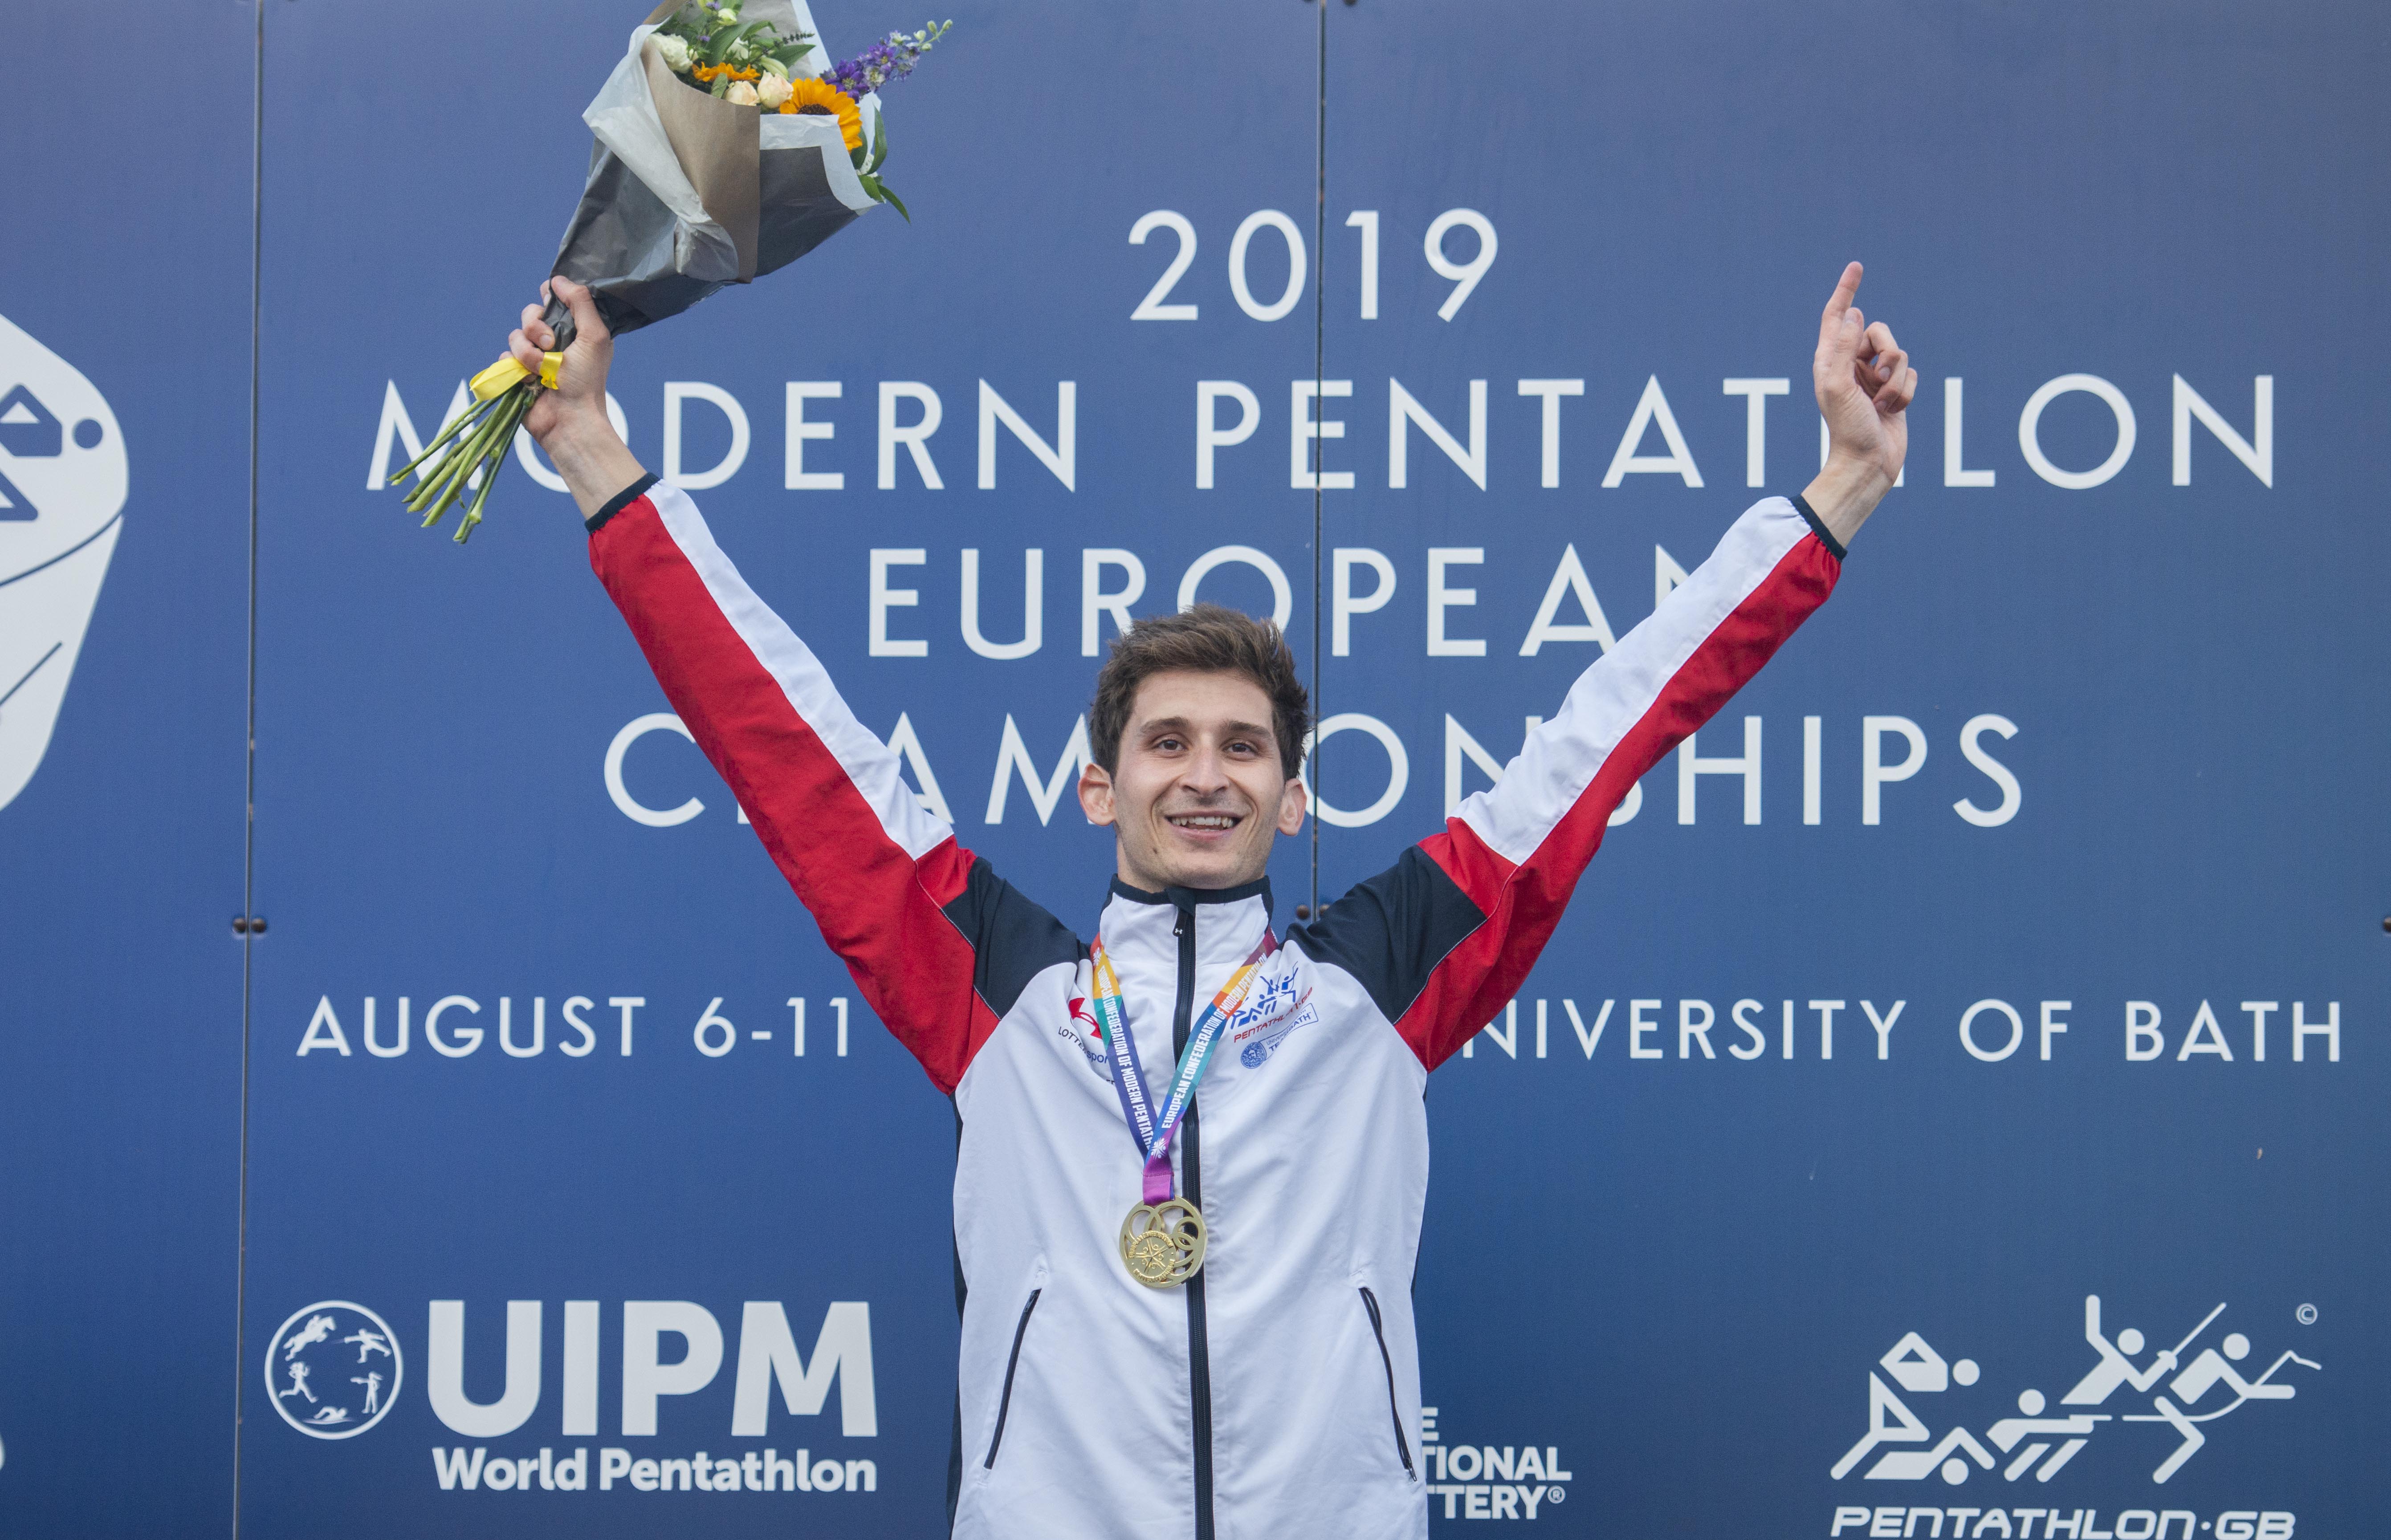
{"x": 1277, "y": 1394}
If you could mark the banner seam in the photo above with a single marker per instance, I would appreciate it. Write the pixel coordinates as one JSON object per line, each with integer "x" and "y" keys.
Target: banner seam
{"x": 249, "y": 735}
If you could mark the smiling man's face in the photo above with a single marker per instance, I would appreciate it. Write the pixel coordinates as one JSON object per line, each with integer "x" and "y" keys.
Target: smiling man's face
{"x": 1200, "y": 793}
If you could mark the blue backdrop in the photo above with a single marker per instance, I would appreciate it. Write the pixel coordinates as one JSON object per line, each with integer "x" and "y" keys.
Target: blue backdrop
{"x": 2013, "y": 942}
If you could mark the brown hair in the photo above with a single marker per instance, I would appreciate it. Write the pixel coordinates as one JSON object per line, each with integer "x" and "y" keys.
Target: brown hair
{"x": 1204, "y": 639}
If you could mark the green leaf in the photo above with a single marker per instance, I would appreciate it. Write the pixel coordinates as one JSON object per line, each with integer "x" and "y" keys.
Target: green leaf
{"x": 858, "y": 157}
{"x": 880, "y": 191}
{"x": 721, "y": 46}
{"x": 880, "y": 142}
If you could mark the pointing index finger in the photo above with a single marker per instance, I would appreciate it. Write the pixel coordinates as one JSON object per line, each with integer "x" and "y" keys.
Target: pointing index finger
{"x": 1846, "y": 288}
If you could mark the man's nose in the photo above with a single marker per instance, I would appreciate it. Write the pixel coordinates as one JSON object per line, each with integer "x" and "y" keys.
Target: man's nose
{"x": 1206, "y": 772}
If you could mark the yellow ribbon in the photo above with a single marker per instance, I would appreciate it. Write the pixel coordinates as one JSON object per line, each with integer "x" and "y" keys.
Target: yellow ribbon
{"x": 506, "y": 373}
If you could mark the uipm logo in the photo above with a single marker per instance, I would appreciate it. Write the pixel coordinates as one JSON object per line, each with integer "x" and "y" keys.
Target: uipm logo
{"x": 62, "y": 484}
{"x": 333, "y": 1370}
{"x": 2178, "y": 1386}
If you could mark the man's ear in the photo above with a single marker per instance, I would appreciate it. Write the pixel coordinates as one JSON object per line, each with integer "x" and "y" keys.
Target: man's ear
{"x": 1291, "y": 804}
{"x": 1096, "y": 795}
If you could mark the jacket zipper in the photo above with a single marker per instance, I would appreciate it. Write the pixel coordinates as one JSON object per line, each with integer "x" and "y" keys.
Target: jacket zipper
{"x": 1379, "y": 1330}
{"x": 1004, "y": 1402}
{"x": 1200, "y": 1356}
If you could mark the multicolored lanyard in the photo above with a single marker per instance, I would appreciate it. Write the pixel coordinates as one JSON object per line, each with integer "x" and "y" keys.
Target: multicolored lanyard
{"x": 1152, "y": 1127}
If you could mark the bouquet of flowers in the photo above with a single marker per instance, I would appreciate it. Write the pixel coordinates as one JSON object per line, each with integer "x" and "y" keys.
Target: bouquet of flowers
{"x": 725, "y": 150}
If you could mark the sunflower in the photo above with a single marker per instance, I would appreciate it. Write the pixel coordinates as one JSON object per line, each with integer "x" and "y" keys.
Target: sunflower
{"x": 824, "y": 101}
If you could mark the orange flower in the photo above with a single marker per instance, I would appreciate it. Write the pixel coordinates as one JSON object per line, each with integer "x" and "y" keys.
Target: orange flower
{"x": 826, "y": 101}
{"x": 708, "y": 73}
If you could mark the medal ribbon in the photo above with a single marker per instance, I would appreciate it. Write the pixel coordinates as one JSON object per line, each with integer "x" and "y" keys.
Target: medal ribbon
{"x": 1151, "y": 1127}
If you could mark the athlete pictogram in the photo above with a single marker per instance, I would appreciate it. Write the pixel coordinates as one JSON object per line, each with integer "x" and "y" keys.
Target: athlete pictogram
{"x": 2203, "y": 1374}
{"x": 1918, "y": 1368}
{"x": 2069, "y": 1434}
{"x": 2116, "y": 1367}
{"x": 368, "y": 1342}
{"x": 2042, "y": 1445}
{"x": 315, "y": 1330}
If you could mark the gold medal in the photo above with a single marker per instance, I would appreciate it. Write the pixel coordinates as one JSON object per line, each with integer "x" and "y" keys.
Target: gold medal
{"x": 1162, "y": 1244}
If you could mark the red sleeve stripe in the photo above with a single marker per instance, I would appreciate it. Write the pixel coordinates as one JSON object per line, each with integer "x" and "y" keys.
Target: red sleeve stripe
{"x": 1563, "y": 757}
{"x": 823, "y": 792}
{"x": 870, "y": 767}
{"x": 1517, "y": 853}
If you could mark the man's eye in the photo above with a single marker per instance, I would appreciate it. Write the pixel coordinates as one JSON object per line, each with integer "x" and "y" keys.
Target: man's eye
{"x": 1167, "y": 745}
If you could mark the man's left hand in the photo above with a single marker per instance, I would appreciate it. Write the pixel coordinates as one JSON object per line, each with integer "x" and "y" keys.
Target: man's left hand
{"x": 1863, "y": 385}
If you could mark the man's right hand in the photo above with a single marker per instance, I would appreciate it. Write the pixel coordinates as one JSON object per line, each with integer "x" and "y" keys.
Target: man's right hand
{"x": 570, "y": 421}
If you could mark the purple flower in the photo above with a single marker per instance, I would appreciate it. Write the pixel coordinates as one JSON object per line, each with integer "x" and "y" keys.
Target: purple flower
{"x": 892, "y": 59}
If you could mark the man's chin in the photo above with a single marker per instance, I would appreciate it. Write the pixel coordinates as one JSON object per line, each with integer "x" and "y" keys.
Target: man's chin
{"x": 1225, "y": 869}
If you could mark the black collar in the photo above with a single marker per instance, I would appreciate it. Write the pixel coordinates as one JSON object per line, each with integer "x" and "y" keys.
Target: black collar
{"x": 1185, "y": 899}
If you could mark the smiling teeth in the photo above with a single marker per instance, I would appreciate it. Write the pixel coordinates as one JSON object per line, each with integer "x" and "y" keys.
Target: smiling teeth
{"x": 1206, "y": 821}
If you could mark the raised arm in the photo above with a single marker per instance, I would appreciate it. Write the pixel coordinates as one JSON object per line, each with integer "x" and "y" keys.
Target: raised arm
{"x": 938, "y": 944}
{"x": 1445, "y": 936}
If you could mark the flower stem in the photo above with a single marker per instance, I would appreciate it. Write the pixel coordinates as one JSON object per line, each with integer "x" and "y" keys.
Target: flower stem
{"x": 450, "y": 477}
{"x": 463, "y": 422}
{"x": 455, "y": 471}
{"x": 511, "y": 419}
{"x": 456, "y": 464}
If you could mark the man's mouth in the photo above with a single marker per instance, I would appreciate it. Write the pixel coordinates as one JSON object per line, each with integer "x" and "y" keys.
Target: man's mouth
{"x": 1203, "y": 823}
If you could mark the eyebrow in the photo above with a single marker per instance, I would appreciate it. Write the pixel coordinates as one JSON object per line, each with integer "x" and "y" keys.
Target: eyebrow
{"x": 1179, "y": 723}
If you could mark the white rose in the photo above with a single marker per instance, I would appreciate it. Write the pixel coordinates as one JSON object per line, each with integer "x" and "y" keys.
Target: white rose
{"x": 771, "y": 91}
{"x": 740, "y": 94}
{"x": 675, "y": 54}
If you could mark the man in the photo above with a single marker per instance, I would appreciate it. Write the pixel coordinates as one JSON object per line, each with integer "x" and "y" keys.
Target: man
{"x": 1237, "y": 1356}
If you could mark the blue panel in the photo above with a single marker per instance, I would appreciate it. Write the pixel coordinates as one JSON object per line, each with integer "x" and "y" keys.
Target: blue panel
{"x": 124, "y": 305}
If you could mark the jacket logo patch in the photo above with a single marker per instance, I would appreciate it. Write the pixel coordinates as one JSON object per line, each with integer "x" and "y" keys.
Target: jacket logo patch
{"x": 1275, "y": 1010}
{"x": 1085, "y": 1041}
